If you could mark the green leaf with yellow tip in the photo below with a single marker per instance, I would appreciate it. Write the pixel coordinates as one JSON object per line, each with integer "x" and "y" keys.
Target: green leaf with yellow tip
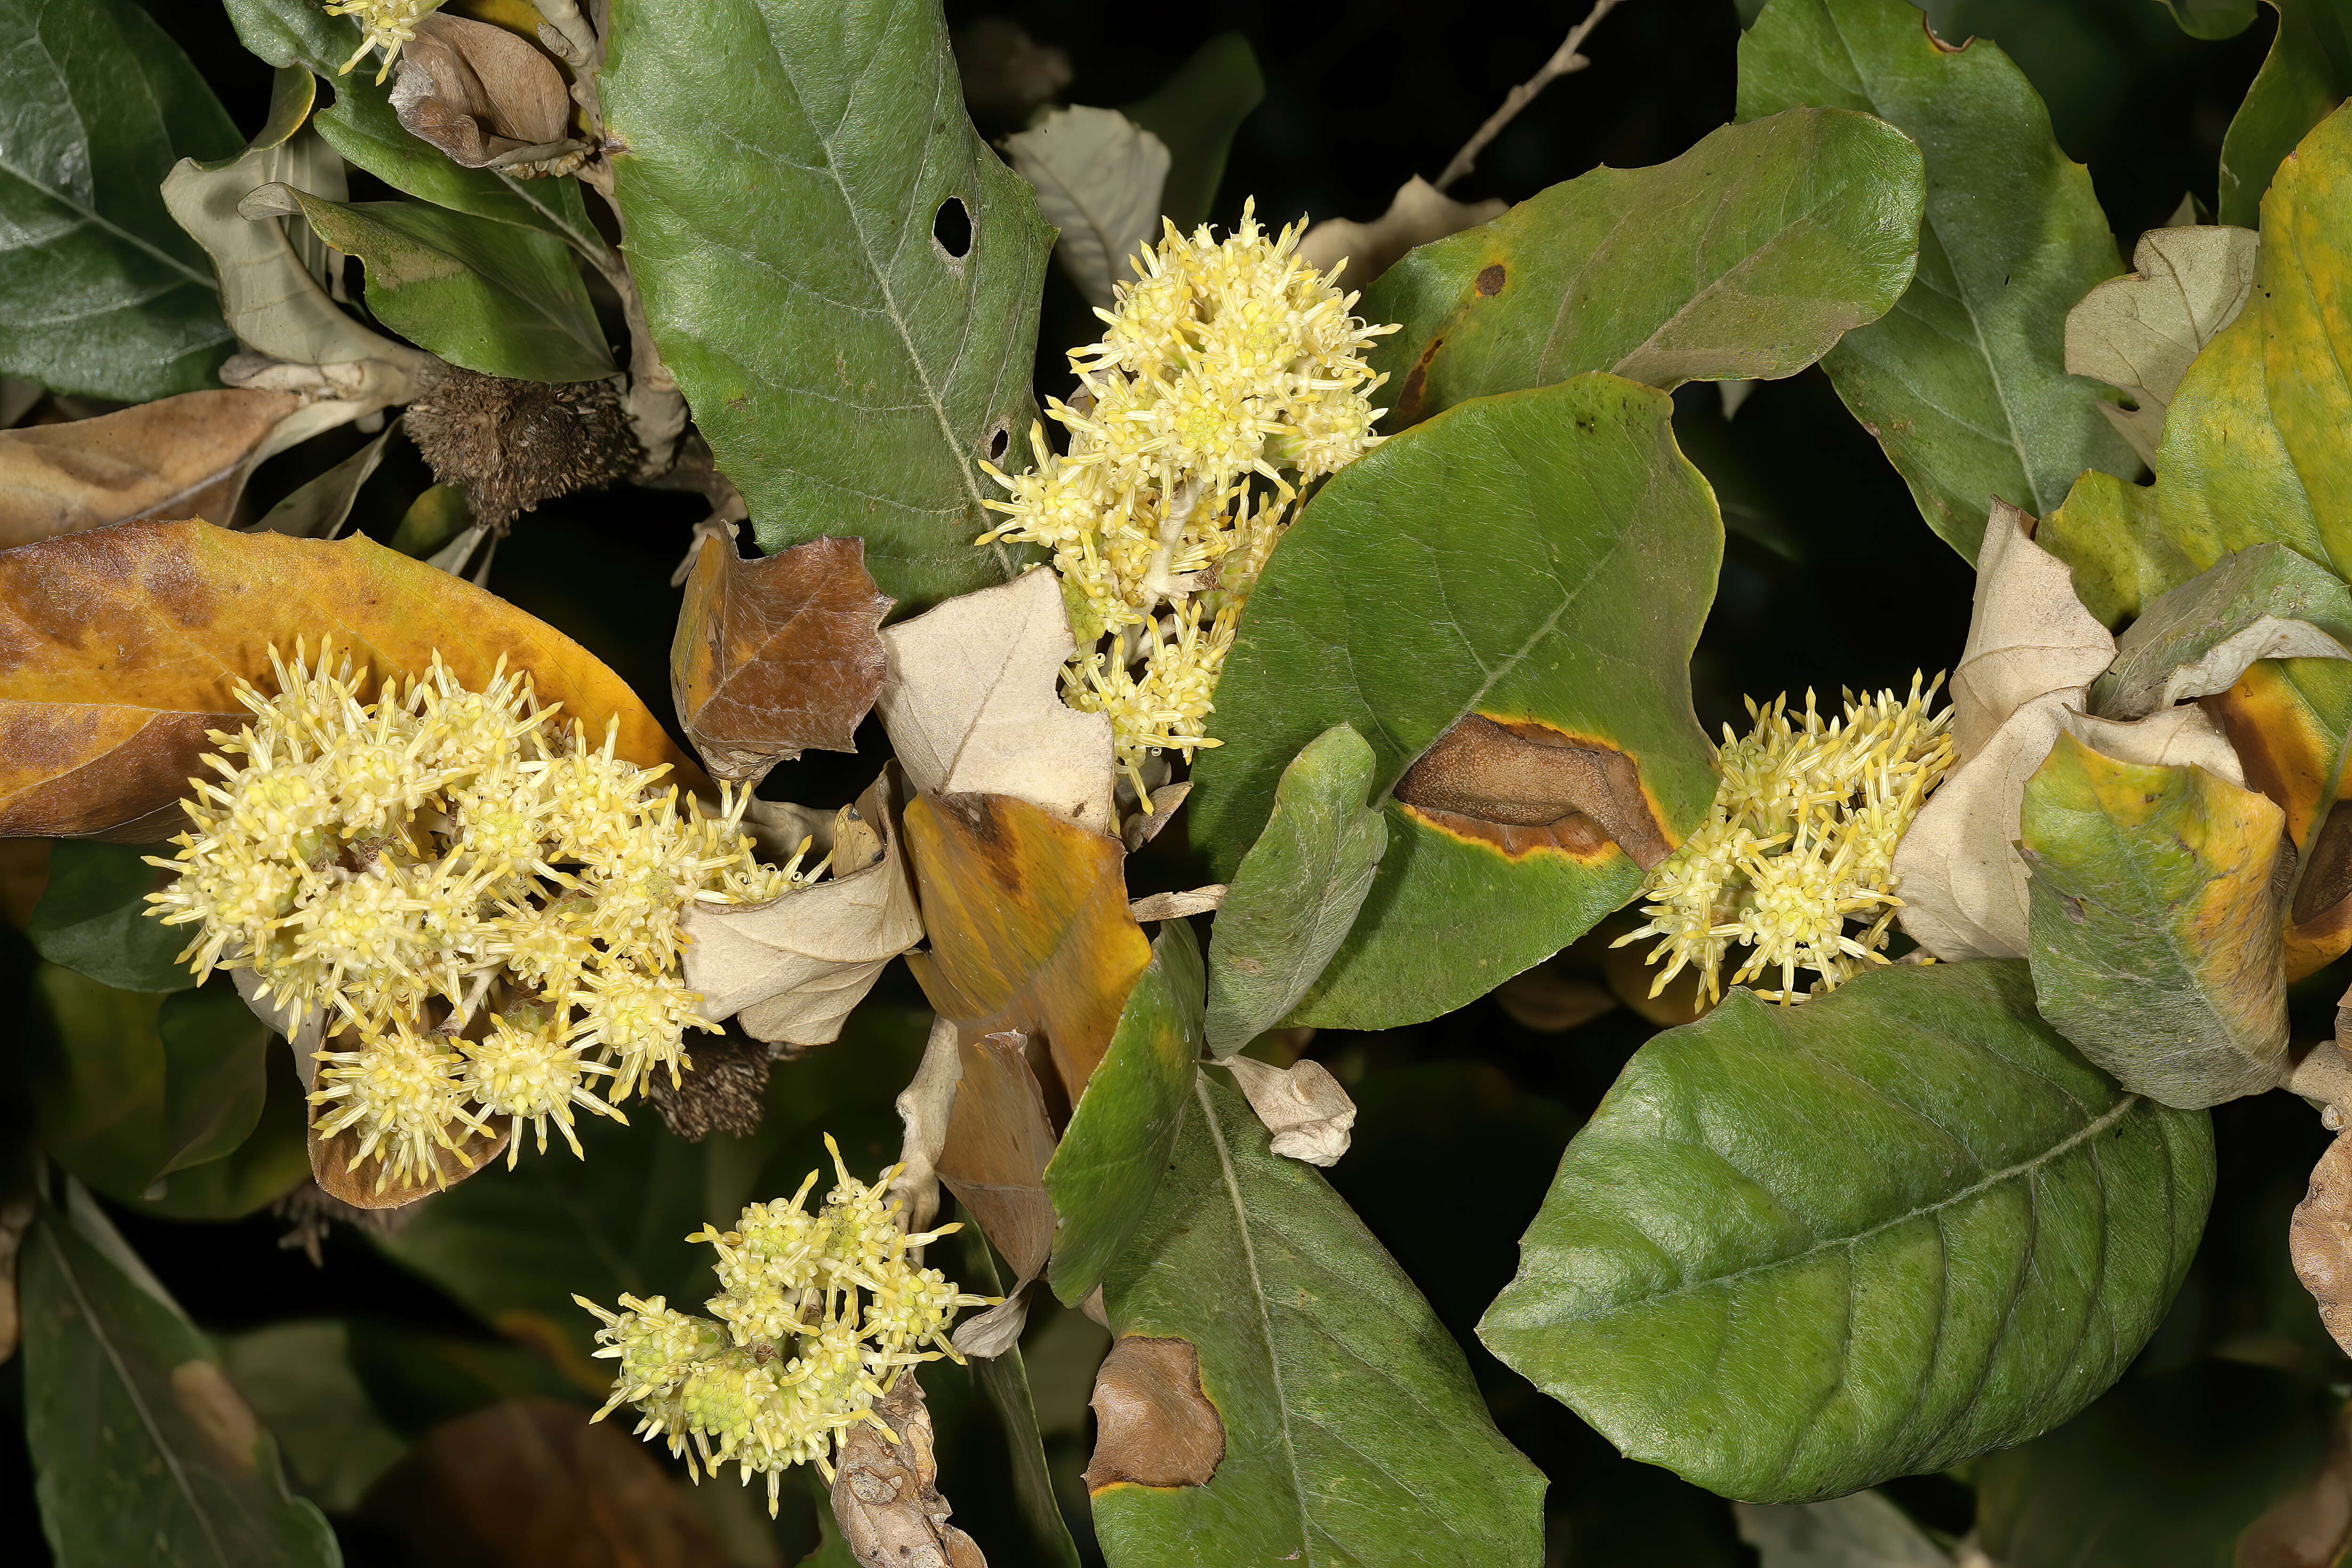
{"x": 2156, "y": 924}
{"x": 1544, "y": 559}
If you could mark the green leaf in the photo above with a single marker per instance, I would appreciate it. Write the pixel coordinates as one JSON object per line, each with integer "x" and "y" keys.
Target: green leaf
{"x": 1297, "y": 890}
{"x": 1352, "y": 1431}
{"x": 2213, "y": 19}
{"x": 1865, "y": 1531}
{"x": 1003, "y": 1379}
{"x": 1115, "y": 1149}
{"x": 1798, "y": 1250}
{"x": 1543, "y": 558}
{"x": 273, "y": 1159}
{"x": 2306, "y": 75}
{"x": 143, "y": 1452}
{"x": 488, "y": 296}
{"x": 299, "y": 1379}
{"x": 101, "y": 293}
{"x": 2261, "y": 601}
{"x": 1746, "y": 256}
{"x": 1964, "y": 382}
{"x": 93, "y": 918}
{"x": 146, "y": 1085}
{"x": 786, "y": 162}
{"x": 1195, "y": 113}
{"x": 317, "y": 510}
{"x": 2157, "y": 947}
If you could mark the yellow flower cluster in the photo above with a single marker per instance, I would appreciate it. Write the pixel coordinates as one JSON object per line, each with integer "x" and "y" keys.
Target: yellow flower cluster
{"x": 816, "y": 1316}
{"x": 1230, "y": 376}
{"x": 477, "y": 898}
{"x": 1799, "y": 845}
{"x": 386, "y": 25}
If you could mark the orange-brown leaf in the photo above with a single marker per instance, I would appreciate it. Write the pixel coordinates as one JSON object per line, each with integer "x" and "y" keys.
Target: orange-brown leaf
{"x": 1154, "y": 1427}
{"x": 1029, "y": 927}
{"x": 777, "y": 654}
{"x": 121, "y": 647}
{"x": 183, "y": 456}
{"x": 999, "y": 1139}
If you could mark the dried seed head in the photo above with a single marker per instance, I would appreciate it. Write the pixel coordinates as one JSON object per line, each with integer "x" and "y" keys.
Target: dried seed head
{"x": 510, "y": 445}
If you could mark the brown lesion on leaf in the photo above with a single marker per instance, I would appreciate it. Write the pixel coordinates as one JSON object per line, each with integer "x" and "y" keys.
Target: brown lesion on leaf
{"x": 1491, "y": 278}
{"x": 1413, "y": 394}
{"x": 1524, "y": 787}
{"x": 1154, "y": 1426}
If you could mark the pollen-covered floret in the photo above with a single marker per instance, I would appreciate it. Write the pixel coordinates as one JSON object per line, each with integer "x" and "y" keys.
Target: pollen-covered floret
{"x": 1799, "y": 849}
{"x": 1229, "y": 376}
{"x": 484, "y": 907}
{"x": 818, "y": 1314}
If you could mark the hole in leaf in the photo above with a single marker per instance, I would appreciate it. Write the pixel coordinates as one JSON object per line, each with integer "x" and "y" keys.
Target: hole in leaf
{"x": 999, "y": 441}
{"x": 952, "y": 229}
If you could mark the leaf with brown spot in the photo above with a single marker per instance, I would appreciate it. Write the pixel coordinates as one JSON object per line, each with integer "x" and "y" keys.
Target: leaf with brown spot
{"x": 184, "y": 457}
{"x": 119, "y": 648}
{"x": 2319, "y": 1241}
{"x": 1487, "y": 777}
{"x": 1154, "y": 1427}
{"x": 777, "y": 654}
{"x": 1000, "y": 1136}
{"x": 1029, "y": 927}
{"x": 886, "y": 1494}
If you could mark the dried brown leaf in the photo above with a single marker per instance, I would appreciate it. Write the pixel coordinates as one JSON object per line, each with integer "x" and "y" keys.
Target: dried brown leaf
{"x": 1154, "y": 1426}
{"x": 1509, "y": 781}
{"x": 923, "y": 1106}
{"x": 2319, "y": 1241}
{"x": 477, "y": 91}
{"x": 1192, "y": 901}
{"x": 2311, "y": 1527}
{"x": 778, "y": 654}
{"x": 2029, "y": 635}
{"x": 1417, "y": 214}
{"x": 999, "y": 1136}
{"x": 973, "y": 702}
{"x": 886, "y": 1496}
{"x": 1302, "y": 1105}
{"x": 184, "y": 457}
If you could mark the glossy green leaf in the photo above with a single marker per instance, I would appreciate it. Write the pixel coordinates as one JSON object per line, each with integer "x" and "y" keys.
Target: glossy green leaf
{"x": 1545, "y": 558}
{"x": 1964, "y": 382}
{"x": 2156, "y": 922}
{"x": 1195, "y": 113}
{"x": 787, "y": 161}
{"x": 143, "y": 1452}
{"x": 1746, "y": 256}
{"x": 2261, "y": 601}
{"x": 2178, "y": 1469}
{"x": 1115, "y": 1149}
{"x": 144, "y": 1085}
{"x": 1352, "y": 1431}
{"x": 1297, "y": 892}
{"x": 101, "y": 292}
{"x": 272, "y": 1161}
{"x": 94, "y": 917}
{"x": 488, "y": 296}
{"x": 2305, "y": 77}
{"x": 1798, "y": 1250}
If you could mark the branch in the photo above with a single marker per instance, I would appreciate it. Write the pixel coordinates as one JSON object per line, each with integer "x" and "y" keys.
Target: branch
{"x": 1563, "y": 61}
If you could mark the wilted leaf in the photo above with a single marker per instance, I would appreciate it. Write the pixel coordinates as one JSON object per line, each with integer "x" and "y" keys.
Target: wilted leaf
{"x": 533, "y": 1483}
{"x": 923, "y": 1108}
{"x": 1296, "y": 891}
{"x": 1099, "y": 177}
{"x": 491, "y": 297}
{"x": 2138, "y": 332}
{"x": 886, "y": 1494}
{"x": 1963, "y": 382}
{"x": 94, "y": 919}
{"x": 1302, "y": 1106}
{"x": 811, "y": 315}
{"x": 100, "y": 293}
{"x": 1516, "y": 541}
{"x": 2028, "y": 634}
{"x": 478, "y": 91}
{"x": 143, "y": 1452}
{"x": 791, "y": 970}
{"x": 1865, "y": 1531}
{"x": 1418, "y": 214}
{"x": 1114, "y": 1149}
{"x": 184, "y": 457}
{"x": 1345, "y": 1408}
{"x": 105, "y": 746}
{"x": 2320, "y": 1240}
{"x": 2304, "y": 77}
{"x": 972, "y": 703}
{"x": 1798, "y": 1250}
{"x": 999, "y": 1138}
{"x": 1029, "y": 928}
{"x": 1154, "y": 1427}
{"x": 2262, "y": 602}
{"x": 776, "y": 654}
{"x": 2156, "y": 926}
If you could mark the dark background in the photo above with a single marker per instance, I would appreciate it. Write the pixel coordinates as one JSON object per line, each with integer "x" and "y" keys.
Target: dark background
{"x": 1463, "y": 1118}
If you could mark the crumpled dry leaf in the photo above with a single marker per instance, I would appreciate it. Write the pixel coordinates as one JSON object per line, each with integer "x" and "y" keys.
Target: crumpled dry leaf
{"x": 923, "y": 1108}
{"x": 776, "y": 654}
{"x": 1099, "y": 176}
{"x": 1417, "y": 214}
{"x": 972, "y": 703}
{"x": 2138, "y": 332}
{"x": 1302, "y": 1105}
{"x": 1177, "y": 906}
{"x": 886, "y": 1496}
{"x": 2028, "y": 632}
{"x": 1153, "y": 1425}
{"x": 2199, "y": 638}
{"x": 183, "y": 456}
{"x": 793, "y": 969}
{"x": 2319, "y": 1240}
{"x": 999, "y": 1138}
{"x": 478, "y": 92}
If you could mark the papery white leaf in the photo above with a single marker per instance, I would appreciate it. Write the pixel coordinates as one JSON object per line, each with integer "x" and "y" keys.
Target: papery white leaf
{"x": 2138, "y": 332}
{"x": 1099, "y": 176}
{"x": 2028, "y": 636}
{"x": 1303, "y": 1106}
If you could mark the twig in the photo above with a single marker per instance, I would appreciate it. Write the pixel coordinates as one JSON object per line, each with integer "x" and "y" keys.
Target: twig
{"x": 1563, "y": 61}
